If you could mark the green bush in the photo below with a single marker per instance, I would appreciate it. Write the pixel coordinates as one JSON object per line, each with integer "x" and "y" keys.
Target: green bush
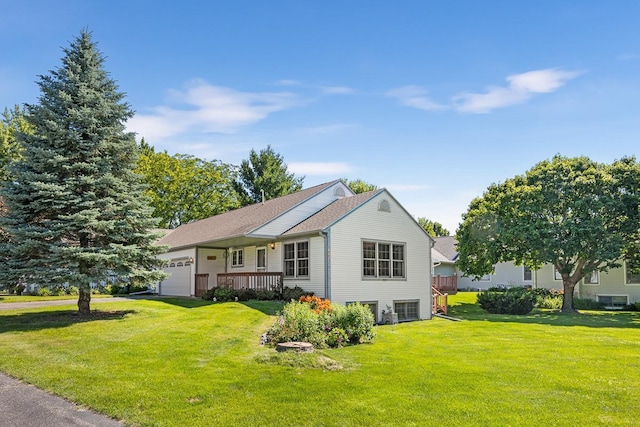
{"x": 295, "y": 293}
{"x": 71, "y": 290}
{"x": 224, "y": 294}
{"x": 246, "y": 294}
{"x": 552, "y": 302}
{"x": 357, "y": 320}
{"x": 43, "y": 292}
{"x": 209, "y": 294}
{"x": 587, "y": 304}
{"x": 511, "y": 301}
{"x": 337, "y": 337}
{"x": 333, "y": 326}
{"x": 267, "y": 295}
{"x": 632, "y": 307}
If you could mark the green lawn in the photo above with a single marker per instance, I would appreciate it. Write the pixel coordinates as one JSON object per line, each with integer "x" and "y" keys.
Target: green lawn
{"x": 31, "y": 298}
{"x": 194, "y": 363}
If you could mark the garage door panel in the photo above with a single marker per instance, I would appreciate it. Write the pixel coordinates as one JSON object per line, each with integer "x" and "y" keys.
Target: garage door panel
{"x": 178, "y": 283}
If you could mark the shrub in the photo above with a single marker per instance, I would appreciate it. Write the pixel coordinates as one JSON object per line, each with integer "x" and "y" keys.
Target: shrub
{"x": 358, "y": 321}
{"x": 511, "y": 301}
{"x": 587, "y": 304}
{"x": 137, "y": 288}
{"x": 114, "y": 289}
{"x": 246, "y": 294}
{"x": 632, "y": 307}
{"x": 333, "y": 327}
{"x": 43, "y": 292}
{"x": 337, "y": 337}
{"x": 224, "y": 294}
{"x": 209, "y": 294}
{"x": 295, "y": 293}
{"x": 267, "y": 295}
{"x": 317, "y": 304}
{"x": 71, "y": 290}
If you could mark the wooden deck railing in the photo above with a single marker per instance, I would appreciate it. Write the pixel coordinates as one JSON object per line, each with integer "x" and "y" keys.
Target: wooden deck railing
{"x": 440, "y": 301}
{"x": 260, "y": 281}
{"x": 447, "y": 284}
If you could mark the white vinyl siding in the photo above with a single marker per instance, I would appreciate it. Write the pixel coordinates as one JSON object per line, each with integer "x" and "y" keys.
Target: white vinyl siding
{"x": 367, "y": 223}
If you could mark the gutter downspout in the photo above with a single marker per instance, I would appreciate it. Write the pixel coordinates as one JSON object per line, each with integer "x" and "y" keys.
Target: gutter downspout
{"x": 327, "y": 263}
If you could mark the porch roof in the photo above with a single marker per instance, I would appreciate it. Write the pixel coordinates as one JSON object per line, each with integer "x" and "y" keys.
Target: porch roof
{"x": 232, "y": 228}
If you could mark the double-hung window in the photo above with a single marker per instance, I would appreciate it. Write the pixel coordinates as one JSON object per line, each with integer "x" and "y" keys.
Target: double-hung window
{"x": 383, "y": 259}
{"x": 237, "y": 258}
{"x": 296, "y": 259}
{"x": 632, "y": 272}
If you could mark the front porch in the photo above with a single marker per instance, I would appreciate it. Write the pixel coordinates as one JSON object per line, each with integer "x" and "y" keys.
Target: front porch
{"x": 259, "y": 281}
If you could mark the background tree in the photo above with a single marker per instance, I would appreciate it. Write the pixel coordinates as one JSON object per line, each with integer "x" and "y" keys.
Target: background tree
{"x": 76, "y": 213}
{"x": 182, "y": 188}
{"x": 576, "y": 214}
{"x": 13, "y": 122}
{"x": 265, "y": 171}
{"x": 359, "y": 186}
{"x": 434, "y": 229}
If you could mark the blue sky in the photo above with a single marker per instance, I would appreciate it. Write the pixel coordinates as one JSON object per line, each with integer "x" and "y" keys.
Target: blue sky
{"x": 432, "y": 100}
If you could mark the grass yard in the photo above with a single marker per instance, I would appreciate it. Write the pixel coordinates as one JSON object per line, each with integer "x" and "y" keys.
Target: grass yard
{"x": 34, "y": 298}
{"x": 195, "y": 363}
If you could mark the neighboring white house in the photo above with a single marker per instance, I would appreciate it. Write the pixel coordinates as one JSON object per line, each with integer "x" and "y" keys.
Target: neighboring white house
{"x": 343, "y": 246}
{"x": 615, "y": 288}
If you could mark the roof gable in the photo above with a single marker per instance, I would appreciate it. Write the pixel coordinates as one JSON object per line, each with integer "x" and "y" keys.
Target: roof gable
{"x": 239, "y": 222}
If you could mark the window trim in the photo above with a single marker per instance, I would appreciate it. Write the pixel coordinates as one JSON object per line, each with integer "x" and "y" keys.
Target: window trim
{"x": 596, "y": 283}
{"x": 296, "y": 259}
{"x": 407, "y": 301}
{"x": 613, "y": 295}
{"x": 235, "y": 258}
{"x": 557, "y": 276}
{"x": 626, "y": 283}
{"x": 391, "y": 260}
{"x": 258, "y": 249}
{"x": 524, "y": 276}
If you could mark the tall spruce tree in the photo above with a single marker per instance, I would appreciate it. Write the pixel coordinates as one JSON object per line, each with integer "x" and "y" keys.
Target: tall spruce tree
{"x": 76, "y": 213}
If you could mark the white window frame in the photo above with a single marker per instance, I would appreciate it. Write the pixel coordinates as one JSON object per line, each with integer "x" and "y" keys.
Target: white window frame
{"x": 613, "y": 295}
{"x": 298, "y": 260}
{"x": 258, "y": 266}
{"x": 591, "y": 282}
{"x": 237, "y": 258}
{"x": 377, "y": 263}
{"x": 556, "y": 275}
{"x": 524, "y": 274}
{"x": 405, "y": 302}
{"x": 626, "y": 276}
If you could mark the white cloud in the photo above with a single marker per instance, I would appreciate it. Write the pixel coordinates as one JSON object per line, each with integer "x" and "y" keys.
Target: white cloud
{"x": 319, "y": 168}
{"x": 337, "y": 90}
{"x": 286, "y": 82}
{"x": 207, "y": 108}
{"x": 415, "y": 96}
{"x": 628, "y": 56}
{"x": 520, "y": 89}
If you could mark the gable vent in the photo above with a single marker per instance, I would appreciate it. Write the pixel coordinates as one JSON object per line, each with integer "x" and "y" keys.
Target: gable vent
{"x": 384, "y": 206}
{"x": 338, "y": 192}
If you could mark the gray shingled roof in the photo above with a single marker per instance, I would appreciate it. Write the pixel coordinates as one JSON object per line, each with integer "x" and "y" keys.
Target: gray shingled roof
{"x": 437, "y": 257}
{"x": 446, "y": 245}
{"x": 238, "y": 222}
{"x": 331, "y": 213}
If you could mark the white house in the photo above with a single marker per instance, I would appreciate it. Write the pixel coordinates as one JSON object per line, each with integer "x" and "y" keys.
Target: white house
{"x": 343, "y": 246}
{"x": 614, "y": 288}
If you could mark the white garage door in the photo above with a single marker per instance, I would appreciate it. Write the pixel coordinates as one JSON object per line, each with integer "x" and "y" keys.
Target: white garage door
{"x": 179, "y": 281}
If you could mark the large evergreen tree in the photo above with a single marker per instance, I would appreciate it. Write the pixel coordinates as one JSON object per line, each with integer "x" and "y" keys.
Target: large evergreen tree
{"x": 265, "y": 171}
{"x": 76, "y": 213}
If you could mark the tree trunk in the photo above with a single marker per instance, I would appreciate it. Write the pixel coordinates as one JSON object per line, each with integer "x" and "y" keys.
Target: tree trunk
{"x": 567, "y": 298}
{"x": 84, "y": 300}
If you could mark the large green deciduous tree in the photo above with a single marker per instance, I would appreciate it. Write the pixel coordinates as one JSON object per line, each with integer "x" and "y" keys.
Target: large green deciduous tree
{"x": 265, "y": 171}
{"x": 433, "y": 228}
{"x": 183, "y": 188}
{"x": 576, "y": 214}
{"x": 359, "y": 186}
{"x": 13, "y": 122}
{"x": 76, "y": 213}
